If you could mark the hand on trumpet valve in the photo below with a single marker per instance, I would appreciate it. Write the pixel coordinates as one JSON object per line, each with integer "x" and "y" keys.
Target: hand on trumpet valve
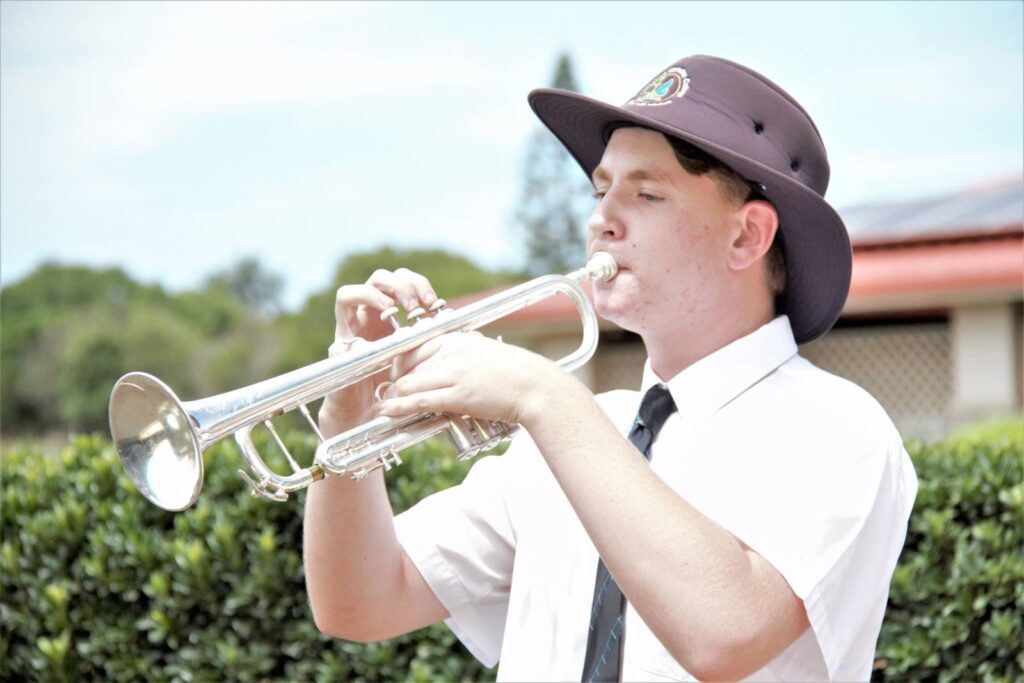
{"x": 466, "y": 373}
{"x": 369, "y": 312}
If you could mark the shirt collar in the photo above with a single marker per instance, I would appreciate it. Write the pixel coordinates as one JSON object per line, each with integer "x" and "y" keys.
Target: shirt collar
{"x": 721, "y": 376}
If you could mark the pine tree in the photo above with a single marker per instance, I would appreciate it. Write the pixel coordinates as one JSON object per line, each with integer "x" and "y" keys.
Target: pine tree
{"x": 556, "y": 196}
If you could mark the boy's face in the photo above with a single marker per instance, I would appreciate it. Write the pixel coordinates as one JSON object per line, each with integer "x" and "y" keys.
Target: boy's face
{"x": 668, "y": 230}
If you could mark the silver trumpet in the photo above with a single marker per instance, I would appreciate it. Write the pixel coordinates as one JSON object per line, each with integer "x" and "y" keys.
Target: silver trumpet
{"x": 161, "y": 438}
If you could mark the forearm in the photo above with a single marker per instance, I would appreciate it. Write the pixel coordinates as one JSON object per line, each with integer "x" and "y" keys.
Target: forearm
{"x": 715, "y": 587}
{"x": 361, "y": 584}
{"x": 355, "y": 567}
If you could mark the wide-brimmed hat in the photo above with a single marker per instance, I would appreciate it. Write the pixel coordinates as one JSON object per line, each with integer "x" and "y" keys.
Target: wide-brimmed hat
{"x": 753, "y": 126}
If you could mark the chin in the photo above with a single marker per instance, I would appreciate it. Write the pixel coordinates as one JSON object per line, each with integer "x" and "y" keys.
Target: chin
{"x": 617, "y": 309}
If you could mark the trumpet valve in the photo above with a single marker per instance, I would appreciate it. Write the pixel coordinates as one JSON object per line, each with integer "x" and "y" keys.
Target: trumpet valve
{"x": 390, "y": 315}
{"x": 390, "y": 459}
{"x": 415, "y": 314}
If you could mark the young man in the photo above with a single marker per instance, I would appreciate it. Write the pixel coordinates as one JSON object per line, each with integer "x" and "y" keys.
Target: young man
{"x": 757, "y": 534}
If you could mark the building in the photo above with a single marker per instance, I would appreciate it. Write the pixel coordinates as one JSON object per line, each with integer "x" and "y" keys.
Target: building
{"x": 932, "y": 327}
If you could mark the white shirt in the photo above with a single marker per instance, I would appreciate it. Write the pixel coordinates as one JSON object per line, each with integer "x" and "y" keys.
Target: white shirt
{"x": 803, "y": 467}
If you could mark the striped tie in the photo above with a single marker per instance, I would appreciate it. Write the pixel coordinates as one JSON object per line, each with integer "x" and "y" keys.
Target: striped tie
{"x": 603, "y": 660}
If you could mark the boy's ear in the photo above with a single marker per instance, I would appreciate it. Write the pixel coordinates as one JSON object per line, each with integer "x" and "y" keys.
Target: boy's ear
{"x": 757, "y": 222}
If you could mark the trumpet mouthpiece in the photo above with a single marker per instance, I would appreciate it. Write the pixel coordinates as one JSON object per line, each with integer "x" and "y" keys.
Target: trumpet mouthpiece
{"x": 601, "y": 266}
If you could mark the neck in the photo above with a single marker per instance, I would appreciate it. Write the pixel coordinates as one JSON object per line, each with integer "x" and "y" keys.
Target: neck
{"x": 673, "y": 351}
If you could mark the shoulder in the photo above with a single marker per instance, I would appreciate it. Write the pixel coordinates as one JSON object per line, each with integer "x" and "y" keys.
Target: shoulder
{"x": 822, "y": 433}
{"x": 823, "y": 403}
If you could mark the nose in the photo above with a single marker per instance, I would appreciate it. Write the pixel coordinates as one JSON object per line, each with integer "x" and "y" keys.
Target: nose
{"x": 605, "y": 223}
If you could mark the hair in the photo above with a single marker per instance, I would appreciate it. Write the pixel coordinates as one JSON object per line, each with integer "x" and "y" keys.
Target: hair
{"x": 736, "y": 190}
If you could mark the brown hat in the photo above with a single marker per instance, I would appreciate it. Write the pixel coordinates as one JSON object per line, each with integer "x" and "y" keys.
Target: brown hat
{"x": 753, "y": 126}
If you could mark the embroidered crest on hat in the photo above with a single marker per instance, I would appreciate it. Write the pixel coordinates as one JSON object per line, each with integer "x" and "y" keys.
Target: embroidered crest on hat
{"x": 666, "y": 86}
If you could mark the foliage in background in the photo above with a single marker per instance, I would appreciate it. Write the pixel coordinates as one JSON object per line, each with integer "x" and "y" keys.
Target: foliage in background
{"x": 67, "y": 333}
{"x": 96, "y": 583}
{"x": 956, "y": 604}
{"x": 555, "y": 199}
{"x": 250, "y": 283}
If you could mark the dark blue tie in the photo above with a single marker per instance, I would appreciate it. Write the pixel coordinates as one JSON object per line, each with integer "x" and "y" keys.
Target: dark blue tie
{"x": 604, "y": 642}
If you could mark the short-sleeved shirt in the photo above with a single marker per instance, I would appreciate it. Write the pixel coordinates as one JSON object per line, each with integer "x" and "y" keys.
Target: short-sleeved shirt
{"x": 803, "y": 467}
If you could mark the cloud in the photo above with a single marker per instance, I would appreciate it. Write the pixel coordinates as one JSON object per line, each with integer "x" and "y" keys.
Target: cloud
{"x": 123, "y": 77}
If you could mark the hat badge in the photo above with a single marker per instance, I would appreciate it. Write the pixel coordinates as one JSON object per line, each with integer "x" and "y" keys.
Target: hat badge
{"x": 669, "y": 85}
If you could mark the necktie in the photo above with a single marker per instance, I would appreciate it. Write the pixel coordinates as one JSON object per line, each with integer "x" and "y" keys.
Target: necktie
{"x": 604, "y": 642}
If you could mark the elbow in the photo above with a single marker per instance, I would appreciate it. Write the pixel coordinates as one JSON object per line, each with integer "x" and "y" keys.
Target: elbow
{"x": 719, "y": 669}
{"x": 731, "y": 657}
{"x": 345, "y": 631}
{"x": 726, "y": 658}
{"x": 353, "y": 625}
{"x": 335, "y": 621}
{"x": 328, "y": 623}
{"x": 713, "y": 669}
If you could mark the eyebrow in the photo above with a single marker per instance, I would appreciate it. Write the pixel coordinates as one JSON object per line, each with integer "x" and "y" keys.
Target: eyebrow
{"x": 636, "y": 174}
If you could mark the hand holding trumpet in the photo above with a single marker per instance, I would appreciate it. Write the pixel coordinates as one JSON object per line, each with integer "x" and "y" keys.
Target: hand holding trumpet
{"x": 357, "y": 314}
{"x": 461, "y": 373}
{"x": 470, "y": 374}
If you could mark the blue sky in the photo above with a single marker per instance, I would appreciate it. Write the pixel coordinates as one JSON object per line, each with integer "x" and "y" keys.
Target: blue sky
{"x": 172, "y": 139}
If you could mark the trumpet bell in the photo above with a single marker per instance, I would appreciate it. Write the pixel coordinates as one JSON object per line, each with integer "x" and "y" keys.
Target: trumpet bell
{"x": 157, "y": 441}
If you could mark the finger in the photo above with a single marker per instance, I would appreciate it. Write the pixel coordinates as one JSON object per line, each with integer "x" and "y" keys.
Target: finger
{"x": 424, "y": 290}
{"x": 399, "y": 286}
{"x": 349, "y": 298}
{"x": 404, "y": 364}
{"x": 422, "y": 402}
{"x": 416, "y": 383}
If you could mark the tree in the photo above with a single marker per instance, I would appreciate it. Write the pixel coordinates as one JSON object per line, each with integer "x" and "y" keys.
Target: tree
{"x": 35, "y": 325}
{"x": 253, "y": 285}
{"x": 68, "y": 332}
{"x": 89, "y": 366}
{"x": 556, "y": 197}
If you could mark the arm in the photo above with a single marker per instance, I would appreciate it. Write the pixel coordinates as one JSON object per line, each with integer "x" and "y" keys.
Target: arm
{"x": 732, "y": 612}
{"x": 361, "y": 584}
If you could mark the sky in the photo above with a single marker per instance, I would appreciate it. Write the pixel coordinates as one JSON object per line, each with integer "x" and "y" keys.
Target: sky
{"x": 173, "y": 139}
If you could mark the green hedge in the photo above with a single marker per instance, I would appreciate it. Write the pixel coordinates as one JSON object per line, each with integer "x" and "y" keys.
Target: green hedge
{"x": 99, "y": 584}
{"x": 956, "y": 605}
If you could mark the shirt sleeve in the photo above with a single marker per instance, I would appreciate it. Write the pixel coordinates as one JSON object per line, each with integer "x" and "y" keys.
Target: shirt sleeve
{"x": 846, "y": 604}
{"x": 832, "y": 521}
{"x": 462, "y": 542}
{"x": 808, "y": 471}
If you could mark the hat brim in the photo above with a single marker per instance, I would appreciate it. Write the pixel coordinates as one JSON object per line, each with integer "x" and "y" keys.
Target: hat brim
{"x": 815, "y": 242}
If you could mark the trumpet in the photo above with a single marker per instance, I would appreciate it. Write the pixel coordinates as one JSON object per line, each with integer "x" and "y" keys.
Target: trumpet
{"x": 160, "y": 438}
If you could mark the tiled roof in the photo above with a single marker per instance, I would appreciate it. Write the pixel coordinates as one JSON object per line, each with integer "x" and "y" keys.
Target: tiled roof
{"x": 987, "y": 208}
{"x": 990, "y": 263}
